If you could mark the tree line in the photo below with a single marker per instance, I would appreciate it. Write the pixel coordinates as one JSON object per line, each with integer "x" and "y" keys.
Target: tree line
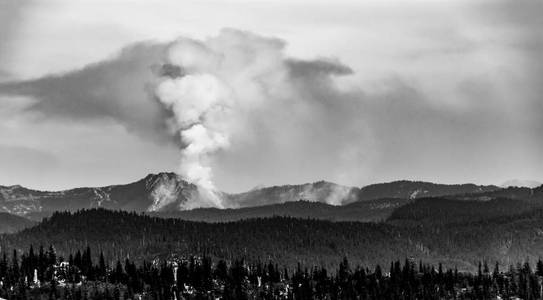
{"x": 42, "y": 274}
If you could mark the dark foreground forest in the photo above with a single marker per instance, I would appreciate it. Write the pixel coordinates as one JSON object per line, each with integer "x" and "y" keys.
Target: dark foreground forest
{"x": 44, "y": 275}
{"x": 445, "y": 252}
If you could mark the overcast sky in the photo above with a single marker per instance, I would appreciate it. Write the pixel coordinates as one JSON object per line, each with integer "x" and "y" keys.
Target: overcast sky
{"x": 444, "y": 91}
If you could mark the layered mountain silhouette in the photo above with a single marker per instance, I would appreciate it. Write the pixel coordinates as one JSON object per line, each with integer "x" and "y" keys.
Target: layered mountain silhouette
{"x": 168, "y": 193}
{"x": 453, "y": 224}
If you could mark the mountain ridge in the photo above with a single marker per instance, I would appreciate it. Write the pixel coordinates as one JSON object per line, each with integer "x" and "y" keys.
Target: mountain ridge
{"x": 167, "y": 192}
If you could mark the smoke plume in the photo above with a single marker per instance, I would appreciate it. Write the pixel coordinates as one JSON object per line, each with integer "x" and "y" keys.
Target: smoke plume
{"x": 225, "y": 86}
{"x": 236, "y": 106}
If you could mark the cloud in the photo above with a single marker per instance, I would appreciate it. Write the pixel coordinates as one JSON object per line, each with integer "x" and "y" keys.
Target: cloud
{"x": 317, "y": 68}
{"x": 515, "y": 29}
{"x": 278, "y": 104}
{"x": 115, "y": 89}
{"x": 4, "y": 75}
{"x": 18, "y": 161}
{"x": 10, "y": 17}
{"x": 284, "y": 119}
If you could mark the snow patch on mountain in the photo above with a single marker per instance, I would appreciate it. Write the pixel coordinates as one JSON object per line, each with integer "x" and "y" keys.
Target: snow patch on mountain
{"x": 163, "y": 194}
{"x": 101, "y": 196}
{"x": 165, "y": 189}
{"x": 414, "y": 194}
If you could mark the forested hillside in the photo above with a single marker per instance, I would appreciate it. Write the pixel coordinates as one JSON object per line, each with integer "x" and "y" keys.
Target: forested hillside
{"x": 440, "y": 211}
{"x": 506, "y": 239}
{"x": 288, "y": 240}
{"x": 320, "y": 191}
{"x": 534, "y": 195}
{"x": 405, "y": 189}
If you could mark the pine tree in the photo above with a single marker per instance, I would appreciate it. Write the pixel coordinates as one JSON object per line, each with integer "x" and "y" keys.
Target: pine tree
{"x": 539, "y": 267}
{"x": 15, "y": 265}
{"x": 52, "y": 255}
{"x": 102, "y": 269}
{"x": 496, "y": 271}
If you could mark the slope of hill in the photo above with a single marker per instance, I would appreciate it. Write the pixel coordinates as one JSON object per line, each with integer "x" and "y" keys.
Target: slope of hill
{"x": 418, "y": 189}
{"x": 367, "y": 211}
{"x": 534, "y": 195}
{"x": 11, "y": 223}
{"x": 321, "y": 191}
{"x": 162, "y": 191}
{"x": 506, "y": 239}
{"x": 441, "y": 211}
{"x": 288, "y": 240}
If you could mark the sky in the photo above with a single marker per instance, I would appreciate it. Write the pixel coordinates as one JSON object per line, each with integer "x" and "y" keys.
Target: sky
{"x": 355, "y": 92}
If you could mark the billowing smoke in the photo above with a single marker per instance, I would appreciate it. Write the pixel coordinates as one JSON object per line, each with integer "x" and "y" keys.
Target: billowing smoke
{"x": 221, "y": 85}
{"x": 195, "y": 100}
{"x": 237, "y": 107}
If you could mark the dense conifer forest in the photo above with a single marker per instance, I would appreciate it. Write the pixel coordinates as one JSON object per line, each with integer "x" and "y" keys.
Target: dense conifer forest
{"x": 283, "y": 239}
{"x": 43, "y": 274}
{"x": 103, "y": 254}
{"x": 503, "y": 238}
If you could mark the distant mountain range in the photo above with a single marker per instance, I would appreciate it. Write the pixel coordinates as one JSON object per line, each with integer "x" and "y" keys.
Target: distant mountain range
{"x": 459, "y": 206}
{"x": 420, "y": 189}
{"x": 168, "y": 193}
{"x": 154, "y": 192}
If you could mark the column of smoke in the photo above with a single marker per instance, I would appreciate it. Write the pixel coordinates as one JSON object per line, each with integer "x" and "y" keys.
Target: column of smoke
{"x": 235, "y": 92}
{"x": 219, "y": 81}
{"x": 194, "y": 99}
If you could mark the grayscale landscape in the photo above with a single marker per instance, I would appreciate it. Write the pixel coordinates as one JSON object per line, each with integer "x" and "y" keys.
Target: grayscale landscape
{"x": 271, "y": 149}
